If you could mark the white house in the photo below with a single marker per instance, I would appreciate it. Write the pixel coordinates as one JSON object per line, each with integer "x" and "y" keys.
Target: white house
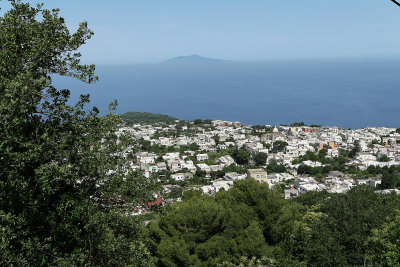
{"x": 201, "y": 157}
{"x": 226, "y": 160}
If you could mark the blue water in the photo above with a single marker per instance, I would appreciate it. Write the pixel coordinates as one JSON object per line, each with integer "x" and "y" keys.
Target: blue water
{"x": 345, "y": 93}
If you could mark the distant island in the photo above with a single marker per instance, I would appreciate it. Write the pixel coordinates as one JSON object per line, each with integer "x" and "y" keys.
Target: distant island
{"x": 193, "y": 59}
{"x": 146, "y": 117}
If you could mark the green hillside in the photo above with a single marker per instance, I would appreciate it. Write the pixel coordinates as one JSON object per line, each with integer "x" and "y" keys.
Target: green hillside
{"x": 147, "y": 117}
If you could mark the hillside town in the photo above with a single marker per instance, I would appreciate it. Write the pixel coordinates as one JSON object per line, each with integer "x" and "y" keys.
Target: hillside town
{"x": 212, "y": 155}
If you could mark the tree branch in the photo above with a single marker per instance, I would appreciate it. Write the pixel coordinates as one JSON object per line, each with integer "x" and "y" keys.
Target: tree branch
{"x": 394, "y": 1}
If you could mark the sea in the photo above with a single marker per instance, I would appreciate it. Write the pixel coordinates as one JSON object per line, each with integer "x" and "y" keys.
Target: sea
{"x": 348, "y": 93}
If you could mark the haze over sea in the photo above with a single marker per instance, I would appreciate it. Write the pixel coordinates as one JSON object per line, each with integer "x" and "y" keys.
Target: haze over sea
{"x": 350, "y": 93}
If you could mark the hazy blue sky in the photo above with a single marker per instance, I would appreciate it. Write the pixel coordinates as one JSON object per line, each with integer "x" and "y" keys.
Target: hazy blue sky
{"x": 138, "y": 31}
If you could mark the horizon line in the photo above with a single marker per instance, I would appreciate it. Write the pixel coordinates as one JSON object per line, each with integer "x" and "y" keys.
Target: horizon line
{"x": 375, "y": 58}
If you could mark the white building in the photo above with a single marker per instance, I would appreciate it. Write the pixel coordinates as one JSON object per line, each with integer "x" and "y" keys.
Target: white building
{"x": 201, "y": 157}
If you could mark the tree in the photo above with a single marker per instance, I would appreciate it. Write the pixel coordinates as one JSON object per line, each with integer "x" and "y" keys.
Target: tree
{"x": 261, "y": 158}
{"x": 241, "y": 156}
{"x": 335, "y": 229}
{"x": 192, "y": 193}
{"x": 189, "y": 223}
{"x": 194, "y": 147}
{"x": 322, "y": 154}
{"x": 353, "y": 216}
{"x": 207, "y": 231}
{"x": 279, "y": 145}
{"x": 388, "y": 181}
{"x": 267, "y": 146}
{"x": 216, "y": 139}
{"x": 198, "y": 121}
{"x": 297, "y": 124}
{"x": 384, "y": 244}
{"x": 384, "y": 158}
{"x": 207, "y": 121}
{"x": 62, "y": 174}
{"x": 274, "y": 167}
{"x": 355, "y": 149}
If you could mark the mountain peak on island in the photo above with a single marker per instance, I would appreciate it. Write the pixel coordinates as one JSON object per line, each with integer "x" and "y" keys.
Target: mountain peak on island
{"x": 192, "y": 59}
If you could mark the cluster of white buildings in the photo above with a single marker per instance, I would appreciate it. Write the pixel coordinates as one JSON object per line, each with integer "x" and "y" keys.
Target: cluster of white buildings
{"x": 373, "y": 144}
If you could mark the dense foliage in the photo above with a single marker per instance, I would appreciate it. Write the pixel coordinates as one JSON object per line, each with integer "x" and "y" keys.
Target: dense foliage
{"x": 146, "y": 117}
{"x": 251, "y": 222}
{"x": 261, "y": 158}
{"x": 204, "y": 230}
{"x": 241, "y": 155}
{"x": 62, "y": 174}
